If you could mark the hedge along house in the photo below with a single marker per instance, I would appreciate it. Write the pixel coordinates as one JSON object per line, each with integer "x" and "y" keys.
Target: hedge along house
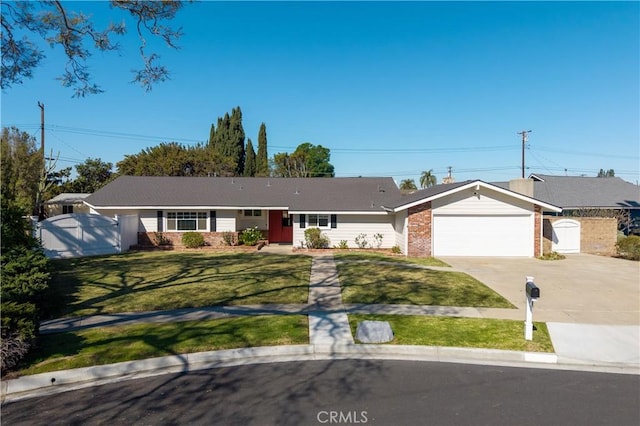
{"x": 470, "y": 218}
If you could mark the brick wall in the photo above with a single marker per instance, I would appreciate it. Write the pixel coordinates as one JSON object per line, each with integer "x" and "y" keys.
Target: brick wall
{"x": 537, "y": 217}
{"x": 598, "y": 235}
{"x": 419, "y": 231}
{"x": 150, "y": 239}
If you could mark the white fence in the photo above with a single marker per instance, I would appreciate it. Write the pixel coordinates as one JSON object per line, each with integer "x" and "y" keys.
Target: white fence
{"x": 78, "y": 235}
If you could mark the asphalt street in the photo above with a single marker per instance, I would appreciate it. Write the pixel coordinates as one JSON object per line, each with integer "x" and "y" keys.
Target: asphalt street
{"x": 372, "y": 392}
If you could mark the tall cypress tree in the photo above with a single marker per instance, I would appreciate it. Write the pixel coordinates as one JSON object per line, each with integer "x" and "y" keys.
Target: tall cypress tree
{"x": 250, "y": 160}
{"x": 236, "y": 146}
{"x": 212, "y": 134}
{"x": 262, "y": 160}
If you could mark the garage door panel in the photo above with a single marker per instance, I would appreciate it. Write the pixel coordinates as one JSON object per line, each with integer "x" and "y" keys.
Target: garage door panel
{"x": 483, "y": 235}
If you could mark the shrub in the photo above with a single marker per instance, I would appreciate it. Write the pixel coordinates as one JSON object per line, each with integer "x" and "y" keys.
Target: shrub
{"x": 378, "y": 239}
{"x": 629, "y": 247}
{"x": 315, "y": 239}
{"x": 552, "y": 255}
{"x": 342, "y": 245}
{"x": 361, "y": 241}
{"x": 192, "y": 239}
{"x": 250, "y": 236}
{"x": 396, "y": 249}
{"x": 229, "y": 238}
{"x": 12, "y": 349}
{"x": 161, "y": 240}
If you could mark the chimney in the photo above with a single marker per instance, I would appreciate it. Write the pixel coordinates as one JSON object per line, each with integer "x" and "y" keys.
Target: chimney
{"x": 522, "y": 186}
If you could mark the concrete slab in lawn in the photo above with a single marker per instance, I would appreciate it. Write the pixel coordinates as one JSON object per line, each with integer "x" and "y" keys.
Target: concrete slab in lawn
{"x": 596, "y": 344}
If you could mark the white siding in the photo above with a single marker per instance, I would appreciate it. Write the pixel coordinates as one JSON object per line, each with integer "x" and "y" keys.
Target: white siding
{"x": 226, "y": 220}
{"x": 400, "y": 227}
{"x": 350, "y": 226}
{"x": 245, "y": 222}
{"x": 486, "y": 202}
{"x": 147, "y": 220}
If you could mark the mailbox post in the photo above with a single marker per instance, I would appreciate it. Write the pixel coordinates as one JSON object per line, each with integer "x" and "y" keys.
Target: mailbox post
{"x": 532, "y": 294}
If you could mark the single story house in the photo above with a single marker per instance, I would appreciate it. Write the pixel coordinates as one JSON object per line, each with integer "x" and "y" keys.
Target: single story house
{"x": 471, "y": 218}
{"x": 66, "y": 203}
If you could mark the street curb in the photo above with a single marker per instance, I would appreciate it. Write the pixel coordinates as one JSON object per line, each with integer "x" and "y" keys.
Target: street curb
{"x": 65, "y": 380}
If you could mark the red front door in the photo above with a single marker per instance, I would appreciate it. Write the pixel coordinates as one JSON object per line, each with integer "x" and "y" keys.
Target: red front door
{"x": 280, "y": 227}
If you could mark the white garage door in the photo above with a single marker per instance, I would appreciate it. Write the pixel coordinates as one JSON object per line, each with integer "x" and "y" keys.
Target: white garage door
{"x": 486, "y": 235}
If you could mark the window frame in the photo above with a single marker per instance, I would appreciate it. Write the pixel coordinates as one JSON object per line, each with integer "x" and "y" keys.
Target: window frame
{"x": 316, "y": 223}
{"x": 175, "y": 218}
{"x": 251, "y": 213}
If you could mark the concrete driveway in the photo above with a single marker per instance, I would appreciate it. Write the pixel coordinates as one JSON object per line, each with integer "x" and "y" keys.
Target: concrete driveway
{"x": 582, "y": 288}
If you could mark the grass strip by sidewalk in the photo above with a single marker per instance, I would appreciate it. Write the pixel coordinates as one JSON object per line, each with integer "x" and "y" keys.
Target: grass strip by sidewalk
{"x": 397, "y": 284}
{"x": 116, "y": 344}
{"x": 381, "y": 257}
{"x": 148, "y": 281}
{"x": 461, "y": 332}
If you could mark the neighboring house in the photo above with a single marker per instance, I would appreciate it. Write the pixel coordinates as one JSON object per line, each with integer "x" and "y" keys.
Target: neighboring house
{"x": 471, "y": 218}
{"x": 66, "y": 203}
{"x": 578, "y": 227}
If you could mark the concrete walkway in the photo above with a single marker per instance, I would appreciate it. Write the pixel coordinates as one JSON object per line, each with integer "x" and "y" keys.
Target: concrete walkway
{"x": 328, "y": 320}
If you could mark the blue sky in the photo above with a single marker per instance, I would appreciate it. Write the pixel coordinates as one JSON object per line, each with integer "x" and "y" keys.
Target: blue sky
{"x": 391, "y": 88}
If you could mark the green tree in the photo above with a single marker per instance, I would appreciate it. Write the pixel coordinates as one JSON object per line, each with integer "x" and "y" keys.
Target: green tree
{"x": 262, "y": 159}
{"x": 408, "y": 185}
{"x": 228, "y": 140}
{"x": 307, "y": 160}
{"x": 428, "y": 179}
{"x": 93, "y": 174}
{"x": 250, "y": 160}
{"x": 28, "y": 26}
{"x": 22, "y": 168}
{"x": 606, "y": 173}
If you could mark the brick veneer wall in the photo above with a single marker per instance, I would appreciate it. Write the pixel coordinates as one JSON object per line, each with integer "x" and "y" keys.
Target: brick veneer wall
{"x": 598, "y": 235}
{"x": 419, "y": 231}
{"x": 150, "y": 239}
{"x": 537, "y": 234}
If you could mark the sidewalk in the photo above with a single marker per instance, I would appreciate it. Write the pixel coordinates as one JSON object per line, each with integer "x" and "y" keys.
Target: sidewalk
{"x": 578, "y": 346}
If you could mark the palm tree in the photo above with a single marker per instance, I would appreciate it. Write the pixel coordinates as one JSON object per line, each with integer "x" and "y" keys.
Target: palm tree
{"x": 428, "y": 179}
{"x": 408, "y": 185}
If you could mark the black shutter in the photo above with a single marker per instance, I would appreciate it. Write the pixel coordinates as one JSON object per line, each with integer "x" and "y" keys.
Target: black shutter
{"x": 303, "y": 221}
{"x": 160, "y": 221}
{"x": 212, "y": 221}
{"x": 334, "y": 220}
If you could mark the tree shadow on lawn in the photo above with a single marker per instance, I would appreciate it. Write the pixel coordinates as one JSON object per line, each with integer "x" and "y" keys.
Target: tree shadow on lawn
{"x": 197, "y": 279}
{"x": 393, "y": 284}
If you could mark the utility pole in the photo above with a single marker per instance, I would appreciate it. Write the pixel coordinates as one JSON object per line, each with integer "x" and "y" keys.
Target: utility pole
{"x": 525, "y": 137}
{"x": 41, "y": 105}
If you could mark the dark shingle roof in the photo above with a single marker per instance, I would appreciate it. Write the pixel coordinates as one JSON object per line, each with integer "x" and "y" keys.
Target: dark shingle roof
{"x": 425, "y": 193}
{"x": 584, "y": 192}
{"x": 297, "y": 194}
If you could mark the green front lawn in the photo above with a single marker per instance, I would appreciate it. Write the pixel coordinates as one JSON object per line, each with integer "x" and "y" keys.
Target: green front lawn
{"x": 116, "y": 344}
{"x": 381, "y": 257}
{"x": 146, "y": 281}
{"x": 461, "y": 332}
{"x": 398, "y": 284}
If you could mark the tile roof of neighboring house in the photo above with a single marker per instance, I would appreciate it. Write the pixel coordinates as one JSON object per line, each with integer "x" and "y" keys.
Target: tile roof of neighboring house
{"x": 296, "y": 194}
{"x": 68, "y": 197}
{"x": 584, "y": 192}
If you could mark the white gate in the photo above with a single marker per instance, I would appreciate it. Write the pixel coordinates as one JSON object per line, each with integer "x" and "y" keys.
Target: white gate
{"x": 78, "y": 235}
{"x": 566, "y": 236}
